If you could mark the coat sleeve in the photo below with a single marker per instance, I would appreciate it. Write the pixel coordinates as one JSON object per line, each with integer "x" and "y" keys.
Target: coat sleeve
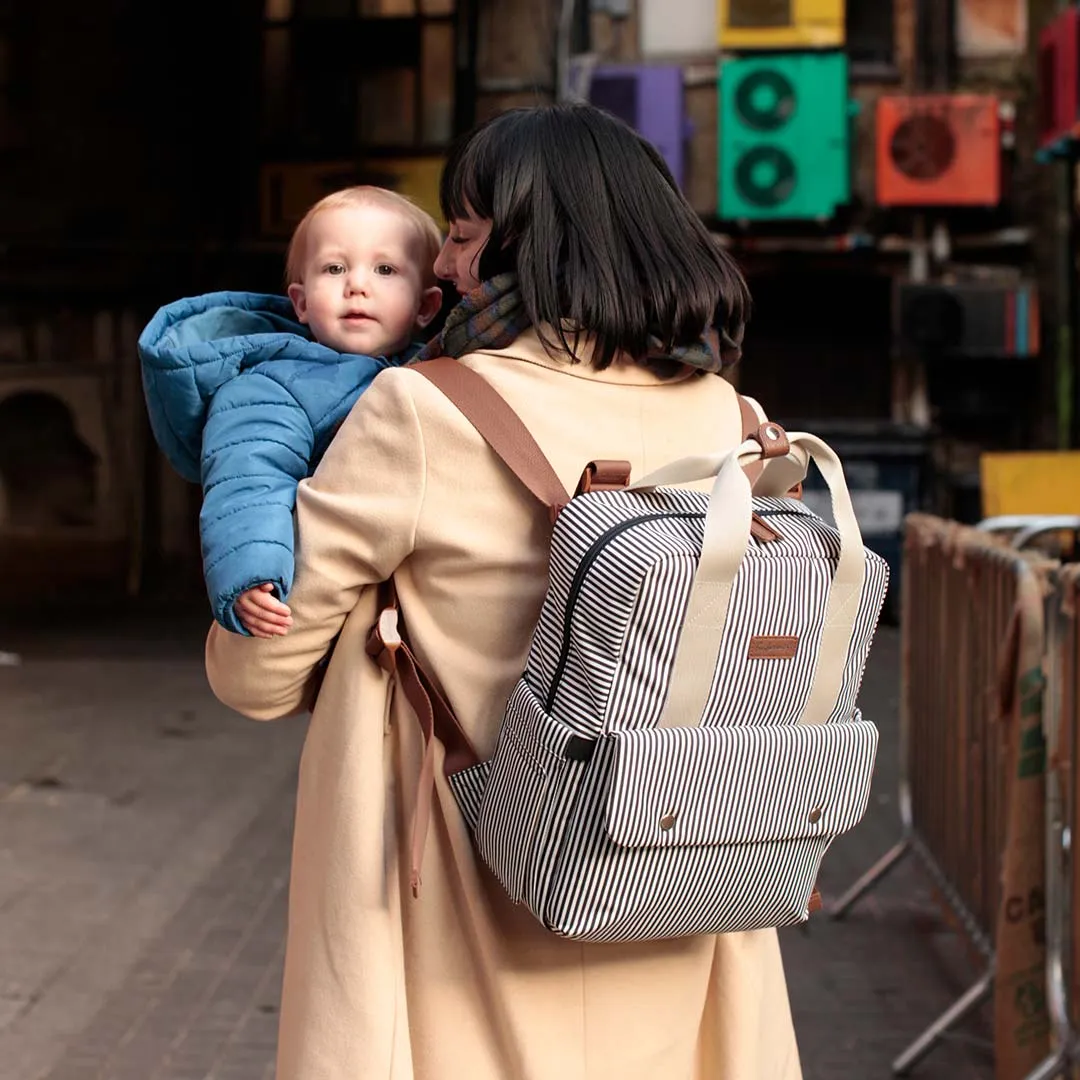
{"x": 257, "y": 445}
{"x": 356, "y": 521}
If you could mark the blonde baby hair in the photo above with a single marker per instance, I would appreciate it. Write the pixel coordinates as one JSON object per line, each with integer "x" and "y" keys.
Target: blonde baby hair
{"x": 427, "y": 232}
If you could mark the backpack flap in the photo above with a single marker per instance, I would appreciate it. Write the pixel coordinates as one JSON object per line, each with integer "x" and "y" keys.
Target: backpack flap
{"x": 691, "y": 787}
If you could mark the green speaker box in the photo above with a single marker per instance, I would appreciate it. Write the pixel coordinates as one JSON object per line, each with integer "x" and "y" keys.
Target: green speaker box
{"x": 785, "y": 133}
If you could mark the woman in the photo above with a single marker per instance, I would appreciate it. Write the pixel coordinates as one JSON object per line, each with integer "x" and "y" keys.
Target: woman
{"x": 598, "y": 286}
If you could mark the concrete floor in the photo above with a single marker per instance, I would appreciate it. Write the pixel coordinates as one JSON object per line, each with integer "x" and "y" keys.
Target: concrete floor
{"x": 144, "y": 850}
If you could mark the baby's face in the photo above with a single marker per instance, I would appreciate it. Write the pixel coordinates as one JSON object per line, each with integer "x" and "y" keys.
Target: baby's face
{"x": 362, "y": 288}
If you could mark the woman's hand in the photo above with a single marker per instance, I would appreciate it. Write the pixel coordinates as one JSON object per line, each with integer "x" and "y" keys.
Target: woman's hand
{"x": 262, "y": 613}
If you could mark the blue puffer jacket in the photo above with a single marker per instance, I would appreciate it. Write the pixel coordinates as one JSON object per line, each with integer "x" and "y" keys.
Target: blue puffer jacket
{"x": 241, "y": 398}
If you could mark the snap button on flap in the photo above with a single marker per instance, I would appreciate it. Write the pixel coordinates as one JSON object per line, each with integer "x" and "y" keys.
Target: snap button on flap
{"x": 667, "y": 822}
{"x": 773, "y": 439}
{"x": 815, "y": 815}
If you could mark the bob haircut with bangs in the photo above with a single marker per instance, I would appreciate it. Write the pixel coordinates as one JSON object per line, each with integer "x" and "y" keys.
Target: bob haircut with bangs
{"x": 589, "y": 217}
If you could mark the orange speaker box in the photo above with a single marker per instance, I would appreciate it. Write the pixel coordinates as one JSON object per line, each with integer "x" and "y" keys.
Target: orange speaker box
{"x": 938, "y": 150}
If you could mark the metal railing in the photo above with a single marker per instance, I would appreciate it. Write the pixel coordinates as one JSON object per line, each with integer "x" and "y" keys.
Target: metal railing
{"x": 1061, "y": 723}
{"x": 971, "y": 620}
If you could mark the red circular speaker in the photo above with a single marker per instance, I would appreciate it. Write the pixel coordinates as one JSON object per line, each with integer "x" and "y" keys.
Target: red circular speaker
{"x": 923, "y": 147}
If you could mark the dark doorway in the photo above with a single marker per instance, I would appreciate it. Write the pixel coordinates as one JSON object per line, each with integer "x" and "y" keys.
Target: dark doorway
{"x": 48, "y": 474}
{"x": 819, "y": 344}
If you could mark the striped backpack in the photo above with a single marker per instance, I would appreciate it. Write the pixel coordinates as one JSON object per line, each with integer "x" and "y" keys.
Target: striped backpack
{"x": 684, "y": 743}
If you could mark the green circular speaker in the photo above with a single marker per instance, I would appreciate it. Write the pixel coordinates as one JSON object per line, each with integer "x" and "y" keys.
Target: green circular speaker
{"x": 765, "y": 100}
{"x": 765, "y": 176}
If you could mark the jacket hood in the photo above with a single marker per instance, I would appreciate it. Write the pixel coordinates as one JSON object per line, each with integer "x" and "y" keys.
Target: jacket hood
{"x": 232, "y": 329}
{"x": 192, "y": 346}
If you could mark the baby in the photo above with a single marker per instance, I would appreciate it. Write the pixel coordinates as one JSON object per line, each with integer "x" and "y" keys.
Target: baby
{"x": 246, "y": 390}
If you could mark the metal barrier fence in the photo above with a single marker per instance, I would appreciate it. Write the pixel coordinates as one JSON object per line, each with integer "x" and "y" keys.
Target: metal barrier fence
{"x": 1067, "y": 748}
{"x": 1061, "y": 721}
{"x": 971, "y": 764}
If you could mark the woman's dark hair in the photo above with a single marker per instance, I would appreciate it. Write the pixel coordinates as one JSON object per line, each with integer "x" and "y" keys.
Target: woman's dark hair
{"x": 587, "y": 214}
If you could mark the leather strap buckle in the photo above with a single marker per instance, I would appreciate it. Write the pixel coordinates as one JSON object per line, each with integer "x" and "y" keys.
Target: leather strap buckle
{"x": 603, "y": 475}
{"x": 387, "y": 628}
{"x": 773, "y": 439}
{"x": 385, "y": 639}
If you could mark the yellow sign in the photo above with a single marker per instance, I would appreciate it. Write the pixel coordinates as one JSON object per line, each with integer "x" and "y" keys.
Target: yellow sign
{"x": 780, "y": 24}
{"x": 1030, "y": 483}
{"x": 288, "y": 189}
{"x": 416, "y": 178}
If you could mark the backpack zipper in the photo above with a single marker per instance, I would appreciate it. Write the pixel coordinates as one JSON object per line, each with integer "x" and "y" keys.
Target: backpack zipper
{"x": 590, "y": 556}
{"x": 578, "y": 580}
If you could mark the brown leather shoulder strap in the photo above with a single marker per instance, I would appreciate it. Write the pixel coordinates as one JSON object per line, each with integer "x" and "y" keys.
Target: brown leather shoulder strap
{"x": 750, "y": 419}
{"x": 388, "y": 646}
{"x": 750, "y": 423}
{"x": 500, "y": 427}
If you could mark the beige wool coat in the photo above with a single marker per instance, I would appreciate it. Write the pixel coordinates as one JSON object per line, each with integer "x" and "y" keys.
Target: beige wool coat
{"x": 460, "y": 984}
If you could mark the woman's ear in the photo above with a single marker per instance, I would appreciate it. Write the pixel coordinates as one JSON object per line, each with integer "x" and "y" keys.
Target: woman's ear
{"x": 430, "y": 302}
{"x": 299, "y": 301}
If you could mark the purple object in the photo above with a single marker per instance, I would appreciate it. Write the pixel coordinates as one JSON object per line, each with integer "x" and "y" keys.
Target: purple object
{"x": 650, "y": 100}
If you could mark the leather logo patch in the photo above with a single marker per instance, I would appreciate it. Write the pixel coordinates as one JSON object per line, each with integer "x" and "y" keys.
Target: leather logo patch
{"x": 764, "y": 647}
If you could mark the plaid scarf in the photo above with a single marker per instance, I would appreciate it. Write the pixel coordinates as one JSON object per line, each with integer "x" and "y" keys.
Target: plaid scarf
{"x": 493, "y": 315}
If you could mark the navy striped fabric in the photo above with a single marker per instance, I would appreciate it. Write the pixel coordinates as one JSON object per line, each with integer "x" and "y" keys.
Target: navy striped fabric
{"x": 611, "y": 828}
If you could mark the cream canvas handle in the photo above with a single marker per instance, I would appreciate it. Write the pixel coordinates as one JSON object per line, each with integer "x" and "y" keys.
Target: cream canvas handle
{"x": 724, "y": 544}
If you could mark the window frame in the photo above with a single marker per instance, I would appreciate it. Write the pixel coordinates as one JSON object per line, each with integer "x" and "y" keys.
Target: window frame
{"x": 277, "y": 138}
{"x": 876, "y": 69}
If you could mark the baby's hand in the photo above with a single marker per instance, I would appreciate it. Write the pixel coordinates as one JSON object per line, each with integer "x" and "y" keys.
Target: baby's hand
{"x": 263, "y": 615}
